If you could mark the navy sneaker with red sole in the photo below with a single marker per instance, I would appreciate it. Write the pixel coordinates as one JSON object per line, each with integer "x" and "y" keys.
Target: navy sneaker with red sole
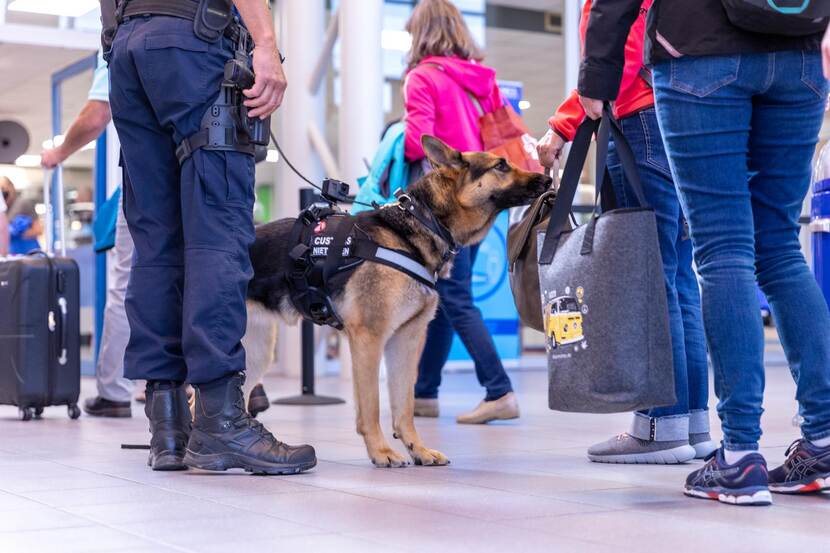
{"x": 806, "y": 470}
{"x": 744, "y": 483}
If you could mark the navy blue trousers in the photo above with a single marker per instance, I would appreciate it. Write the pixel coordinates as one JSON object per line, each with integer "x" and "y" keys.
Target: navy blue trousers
{"x": 458, "y": 312}
{"x": 192, "y": 224}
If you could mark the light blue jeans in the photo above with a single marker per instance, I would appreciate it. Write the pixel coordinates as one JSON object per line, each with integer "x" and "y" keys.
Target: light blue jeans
{"x": 740, "y": 132}
{"x": 691, "y": 370}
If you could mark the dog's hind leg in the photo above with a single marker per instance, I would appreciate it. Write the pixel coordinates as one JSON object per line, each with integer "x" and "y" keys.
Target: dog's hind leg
{"x": 260, "y": 341}
{"x": 403, "y": 351}
{"x": 366, "y": 349}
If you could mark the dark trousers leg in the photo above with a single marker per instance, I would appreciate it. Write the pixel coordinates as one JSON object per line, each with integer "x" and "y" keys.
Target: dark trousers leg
{"x": 457, "y": 307}
{"x": 192, "y": 225}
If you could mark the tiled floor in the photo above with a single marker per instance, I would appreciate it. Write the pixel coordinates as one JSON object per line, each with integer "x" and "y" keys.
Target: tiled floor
{"x": 66, "y": 486}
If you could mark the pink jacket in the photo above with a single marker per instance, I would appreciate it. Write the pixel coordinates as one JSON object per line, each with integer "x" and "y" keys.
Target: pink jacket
{"x": 437, "y": 103}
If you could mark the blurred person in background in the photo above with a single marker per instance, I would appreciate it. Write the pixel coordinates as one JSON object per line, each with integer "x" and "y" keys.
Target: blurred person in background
{"x": 25, "y": 226}
{"x": 443, "y": 76}
{"x": 677, "y": 433}
{"x": 114, "y": 391}
{"x": 4, "y": 226}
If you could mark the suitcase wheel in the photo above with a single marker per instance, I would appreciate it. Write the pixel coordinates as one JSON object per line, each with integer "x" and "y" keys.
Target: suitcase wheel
{"x": 26, "y": 413}
{"x": 74, "y": 411}
{"x": 38, "y": 412}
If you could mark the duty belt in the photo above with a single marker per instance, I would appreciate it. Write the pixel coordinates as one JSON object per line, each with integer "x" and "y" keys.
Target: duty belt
{"x": 183, "y": 9}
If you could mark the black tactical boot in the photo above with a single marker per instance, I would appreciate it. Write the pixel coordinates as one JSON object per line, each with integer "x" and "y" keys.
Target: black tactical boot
{"x": 225, "y": 436}
{"x": 169, "y": 415}
{"x": 258, "y": 401}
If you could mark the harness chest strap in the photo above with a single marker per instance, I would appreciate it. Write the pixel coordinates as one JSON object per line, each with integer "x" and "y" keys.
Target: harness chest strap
{"x": 308, "y": 282}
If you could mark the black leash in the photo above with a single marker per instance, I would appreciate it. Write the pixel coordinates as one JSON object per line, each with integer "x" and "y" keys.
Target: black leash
{"x": 407, "y": 203}
{"x": 303, "y": 177}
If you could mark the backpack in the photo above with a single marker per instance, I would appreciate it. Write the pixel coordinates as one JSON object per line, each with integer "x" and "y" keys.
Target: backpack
{"x": 389, "y": 171}
{"x": 779, "y": 17}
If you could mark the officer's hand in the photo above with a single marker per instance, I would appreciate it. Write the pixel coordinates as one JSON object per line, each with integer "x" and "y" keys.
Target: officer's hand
{"x": 51, "y": 158}
{"x": 550, "y": 148}
{"x": 269, "y": 85}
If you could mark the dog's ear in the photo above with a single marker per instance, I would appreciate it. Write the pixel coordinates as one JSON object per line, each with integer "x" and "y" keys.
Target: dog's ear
{"x": 441, "y": 155}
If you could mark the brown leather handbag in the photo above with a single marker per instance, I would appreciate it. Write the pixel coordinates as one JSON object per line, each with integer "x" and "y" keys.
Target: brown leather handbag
{"x": 522, "y": 259}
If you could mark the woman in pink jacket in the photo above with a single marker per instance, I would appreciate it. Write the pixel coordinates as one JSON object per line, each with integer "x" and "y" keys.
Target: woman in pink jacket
{"x": 444, "y": 74}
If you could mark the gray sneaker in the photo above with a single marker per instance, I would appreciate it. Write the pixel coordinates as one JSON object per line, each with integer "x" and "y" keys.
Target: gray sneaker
{"x": 703, "y": 444}
{"x": 625, "y": 448}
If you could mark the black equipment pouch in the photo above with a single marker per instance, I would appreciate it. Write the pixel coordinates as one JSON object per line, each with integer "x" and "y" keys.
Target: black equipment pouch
{"x": 212, "y": 18}
{"x": 109, "y": 24}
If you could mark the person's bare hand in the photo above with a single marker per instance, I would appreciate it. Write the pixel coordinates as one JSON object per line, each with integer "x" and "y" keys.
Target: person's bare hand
{"x": 550, "y": 148}
{"x": 825, "y": 53}
{"x": 269, "y": 85}
{"x": 592, "y": 107}
{"x": 51, "y": 158}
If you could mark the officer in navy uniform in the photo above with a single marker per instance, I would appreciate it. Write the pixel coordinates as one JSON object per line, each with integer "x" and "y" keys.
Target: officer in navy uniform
{"x": 192, "y": 223}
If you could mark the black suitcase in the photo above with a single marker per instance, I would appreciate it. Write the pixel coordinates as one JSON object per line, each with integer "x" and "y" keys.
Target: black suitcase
{"x": 40, "y": 344}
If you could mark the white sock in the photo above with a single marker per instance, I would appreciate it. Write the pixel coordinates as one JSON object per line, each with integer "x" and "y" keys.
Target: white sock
{"x": 824, "y": 442}
{"x": 733, "y": 457}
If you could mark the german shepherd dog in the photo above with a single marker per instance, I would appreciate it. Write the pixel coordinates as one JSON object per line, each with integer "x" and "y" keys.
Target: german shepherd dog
{"x": 386, "y": 311}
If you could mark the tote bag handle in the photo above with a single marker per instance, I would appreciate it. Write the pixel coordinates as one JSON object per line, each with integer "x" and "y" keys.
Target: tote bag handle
{"x": 605, "y": 127}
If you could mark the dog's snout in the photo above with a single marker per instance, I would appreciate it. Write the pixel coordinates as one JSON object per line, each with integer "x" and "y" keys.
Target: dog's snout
{"x": 548, "y": 181}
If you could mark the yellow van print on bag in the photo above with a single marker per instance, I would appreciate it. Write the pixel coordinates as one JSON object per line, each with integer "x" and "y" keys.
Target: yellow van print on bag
{"x": 563, "y": 322}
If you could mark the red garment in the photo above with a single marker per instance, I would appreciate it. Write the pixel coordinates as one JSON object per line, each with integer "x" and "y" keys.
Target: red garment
{"x": 438, "y": 103}
{"x": 635, "y": 93}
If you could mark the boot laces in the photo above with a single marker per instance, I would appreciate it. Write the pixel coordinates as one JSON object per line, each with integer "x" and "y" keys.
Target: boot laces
{"x": 246, "y": 420}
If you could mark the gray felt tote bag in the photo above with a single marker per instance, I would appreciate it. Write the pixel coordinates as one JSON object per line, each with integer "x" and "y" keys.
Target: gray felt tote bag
{"x": 603, "y": 294}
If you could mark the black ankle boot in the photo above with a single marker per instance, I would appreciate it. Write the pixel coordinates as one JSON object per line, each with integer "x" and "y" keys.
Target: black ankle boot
{"x": 225, "y": 436}
{"x": 169, "y": 415}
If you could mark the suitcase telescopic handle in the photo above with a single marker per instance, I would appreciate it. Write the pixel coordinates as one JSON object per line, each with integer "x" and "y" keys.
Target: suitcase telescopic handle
{"x": 54, "y": 205}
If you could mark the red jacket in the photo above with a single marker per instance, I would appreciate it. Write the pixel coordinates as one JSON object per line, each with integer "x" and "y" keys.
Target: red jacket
{"x": 635, "y": 93}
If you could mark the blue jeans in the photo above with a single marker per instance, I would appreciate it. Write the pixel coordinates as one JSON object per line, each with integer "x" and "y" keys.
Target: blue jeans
{"x": 691, "y": 368}
{"x": 740, "y": 132}
{"x": 192, "y": 224}
{"x": 458, "y": 312}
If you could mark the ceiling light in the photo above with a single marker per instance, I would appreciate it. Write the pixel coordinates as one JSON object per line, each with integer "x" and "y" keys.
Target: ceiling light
{"x": 68, "y": 8}
{"x": 273, "y": 156}
{"x": 28, "y": 160}
{"x": 524, "y": 104}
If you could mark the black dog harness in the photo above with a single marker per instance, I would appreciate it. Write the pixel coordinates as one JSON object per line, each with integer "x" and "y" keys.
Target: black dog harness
{"x": 329, "y": 244}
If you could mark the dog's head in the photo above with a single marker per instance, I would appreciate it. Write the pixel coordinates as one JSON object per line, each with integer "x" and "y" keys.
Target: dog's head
{"x": 468, "y": 190}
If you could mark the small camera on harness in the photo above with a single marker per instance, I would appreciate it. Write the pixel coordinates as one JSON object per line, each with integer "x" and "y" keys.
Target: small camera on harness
{"x": 335, "y": 191}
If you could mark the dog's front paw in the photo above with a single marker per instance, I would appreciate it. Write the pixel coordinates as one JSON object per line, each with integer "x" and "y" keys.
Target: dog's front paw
{"x": 430, "y": 457}
{"x": 388, "y": 458}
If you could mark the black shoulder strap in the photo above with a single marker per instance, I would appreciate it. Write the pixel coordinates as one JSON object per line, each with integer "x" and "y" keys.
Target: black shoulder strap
{"x": 605, "y": 128}
{"x": 567, "y": 189}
